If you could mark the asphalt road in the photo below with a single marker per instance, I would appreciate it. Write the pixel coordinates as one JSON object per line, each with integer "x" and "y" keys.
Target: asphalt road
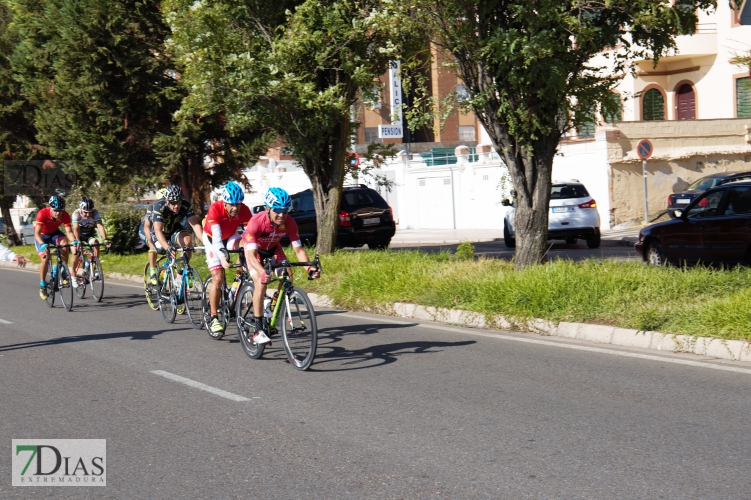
{"x": 390, "y": 409}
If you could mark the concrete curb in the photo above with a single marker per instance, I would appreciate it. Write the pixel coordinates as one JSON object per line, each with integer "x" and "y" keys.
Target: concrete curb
{"x": 735, "y": 350}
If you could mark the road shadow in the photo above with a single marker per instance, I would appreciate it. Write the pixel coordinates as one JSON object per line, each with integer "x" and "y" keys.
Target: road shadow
{"x": 136, "y": 335}
{"x": 334, "y": 358}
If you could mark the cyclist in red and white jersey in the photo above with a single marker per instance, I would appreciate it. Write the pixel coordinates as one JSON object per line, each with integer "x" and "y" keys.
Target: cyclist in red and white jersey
{"x": 47, "y": 232}
{"x": 261, "y": 241}
{"x": 220, "y": 235}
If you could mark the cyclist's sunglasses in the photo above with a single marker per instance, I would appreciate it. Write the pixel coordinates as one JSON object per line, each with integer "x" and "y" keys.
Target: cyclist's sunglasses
{"x": 280, "y": 211}
{"x": 87, "y": 213}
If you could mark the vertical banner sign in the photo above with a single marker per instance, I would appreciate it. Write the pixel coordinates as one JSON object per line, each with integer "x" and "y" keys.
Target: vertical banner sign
{"x": 395, "y": 130}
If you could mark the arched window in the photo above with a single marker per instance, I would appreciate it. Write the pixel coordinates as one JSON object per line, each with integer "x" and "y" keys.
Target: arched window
{"x": 586, "y": 129}
{"x": 613, "y": 115}
{"x": 653, "y": 105}
{"x": 743, "y": 97}
{"x": 685, "y": 102}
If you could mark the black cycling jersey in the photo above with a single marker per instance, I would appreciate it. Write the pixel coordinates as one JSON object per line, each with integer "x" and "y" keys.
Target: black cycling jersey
{"x": 161, "y": 212}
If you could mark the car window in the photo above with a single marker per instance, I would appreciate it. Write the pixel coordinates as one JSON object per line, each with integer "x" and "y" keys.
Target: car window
{"x": 351, "y": 200}
{"x": 704, "y": 183}
{"x": 706, "y": 206}
{"x": 302, "y": 203}
{"x": 739, "y": 201}
{"x": 566, "y": 191}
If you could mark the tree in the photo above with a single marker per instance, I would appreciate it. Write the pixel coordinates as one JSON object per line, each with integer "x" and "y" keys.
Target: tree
{"x": 291, "y": 67}
{"x": 529, "y": 71}
{"x": 17, "y": 134}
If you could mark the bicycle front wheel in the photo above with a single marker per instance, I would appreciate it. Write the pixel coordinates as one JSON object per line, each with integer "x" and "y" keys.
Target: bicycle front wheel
{"x": 194, "y": 297}
{"x": 81, "y": 288}
{"x": 245, "y": 325}
{"x": 299, "y": 330}
{"x": 96, "y": 279}
{"x": 167, "y": 300}
{"x": 51, "y": 286}
{"x": 65, "y": 283}
{"x": 151, "y": 291}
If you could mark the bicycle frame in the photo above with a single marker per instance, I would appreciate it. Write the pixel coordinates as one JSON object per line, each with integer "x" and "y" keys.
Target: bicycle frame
{"x": 285, "y": 284}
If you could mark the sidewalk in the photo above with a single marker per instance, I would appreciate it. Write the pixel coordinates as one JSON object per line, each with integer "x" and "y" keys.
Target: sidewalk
{"x": 413, "y": 237}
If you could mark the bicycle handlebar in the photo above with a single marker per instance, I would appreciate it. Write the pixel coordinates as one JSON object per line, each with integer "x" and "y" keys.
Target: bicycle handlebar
{"x": 271, "y": 265}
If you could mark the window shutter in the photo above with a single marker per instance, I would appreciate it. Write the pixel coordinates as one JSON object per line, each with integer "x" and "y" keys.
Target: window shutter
{"x": 654, "y": 105}
{"x": 743, "y": 97}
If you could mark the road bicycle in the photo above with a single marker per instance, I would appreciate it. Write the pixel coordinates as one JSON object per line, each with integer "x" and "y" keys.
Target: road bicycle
{"x": 58, "y": 278}
{"x": 180, "y": 287}
{"x": 92, "y": 275}
{"x": 292, "y": 306}
{"x": 226, "y": 310}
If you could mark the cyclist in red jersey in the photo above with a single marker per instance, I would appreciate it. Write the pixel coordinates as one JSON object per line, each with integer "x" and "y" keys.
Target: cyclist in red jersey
{"x": 46, "y": 231}
{"x": 220, "y": 234}
{"x": 261, "y": 241}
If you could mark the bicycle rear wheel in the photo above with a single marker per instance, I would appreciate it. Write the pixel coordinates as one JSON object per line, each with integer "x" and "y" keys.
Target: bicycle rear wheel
{"x": 244, "y": 319}
{"x": 167, "y": 301}
{"x": 194, "y": 297}
{"x": 151, "y": 291}
{"x": 66, "y": 291}
{"x": 96, "y": 279}
{"x": 81, "y": 289}
{"x": 299, "y": 330}
{"x": 51, "y": 286}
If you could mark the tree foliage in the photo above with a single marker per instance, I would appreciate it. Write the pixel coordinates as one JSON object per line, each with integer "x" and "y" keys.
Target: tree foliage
{"x": 292, "y": 68}
{"x": 533, "y": 69}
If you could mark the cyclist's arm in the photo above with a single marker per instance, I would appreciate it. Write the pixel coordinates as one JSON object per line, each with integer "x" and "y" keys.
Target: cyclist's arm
{"x": 102, "y": 231}
{"x": 38, "y": 233}
{"x": 302, "y": 256}
{"x": 76, "y": 230}
{"x": 158, "y": 227}
{"x": 68, "y": 231}
{"x": 197, "y": 229}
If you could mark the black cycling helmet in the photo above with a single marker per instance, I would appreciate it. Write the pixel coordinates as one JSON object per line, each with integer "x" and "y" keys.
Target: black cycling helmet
{"x": 87, "y": 204}
{"x": 173, "y": 193}
{"x": 57, "y": 202}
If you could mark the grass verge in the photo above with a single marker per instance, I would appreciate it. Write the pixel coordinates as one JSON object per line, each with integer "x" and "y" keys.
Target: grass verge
{"x": 695, "y": 301}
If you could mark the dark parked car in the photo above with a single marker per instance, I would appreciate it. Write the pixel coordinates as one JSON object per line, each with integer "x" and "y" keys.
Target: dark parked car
{"x": 679, "y": 201}
{"x": 364, "y": 218}
{"x": 715, "y": 227}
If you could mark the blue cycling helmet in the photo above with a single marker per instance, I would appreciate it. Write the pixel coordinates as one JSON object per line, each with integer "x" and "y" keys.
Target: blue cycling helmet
{"x": 233, "y": 193}
{"x": 277, "y": 198}
{"x": 57, "y": 202}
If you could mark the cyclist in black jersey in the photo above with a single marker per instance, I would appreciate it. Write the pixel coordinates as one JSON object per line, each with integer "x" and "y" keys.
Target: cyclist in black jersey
{"x": 166, "y": 225}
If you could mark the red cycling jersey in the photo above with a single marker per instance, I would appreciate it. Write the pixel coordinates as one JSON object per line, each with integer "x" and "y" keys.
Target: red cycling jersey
{"x": 218, "y": 215}
{"x": 262, "y": 235}
{"x": 49, "y": 224}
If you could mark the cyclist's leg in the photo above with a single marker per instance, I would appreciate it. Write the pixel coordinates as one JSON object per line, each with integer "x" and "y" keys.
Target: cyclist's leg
{"x": 183, "y": 239}
{"x": 154, "y": 249}
{"x": 217, "y": 275}
{"x": 94, "y": 242}
{"x": 44, "y": 257}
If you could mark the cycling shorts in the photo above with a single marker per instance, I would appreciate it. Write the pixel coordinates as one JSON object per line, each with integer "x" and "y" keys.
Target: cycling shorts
{"x": 264, "y": 255}
{"x": 212, "y": 257}
{"x": 171, "y": 237}
{"x": 53, "y": 238}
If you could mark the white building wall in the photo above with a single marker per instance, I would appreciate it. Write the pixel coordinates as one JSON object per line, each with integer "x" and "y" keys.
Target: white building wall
{"x": 587, "y": 161}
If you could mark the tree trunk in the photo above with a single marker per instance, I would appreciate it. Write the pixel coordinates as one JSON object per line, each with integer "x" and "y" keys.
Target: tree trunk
{"x": 10, "y": 229}
{"x": 531, "y": 171}
{"x": 328, "y": 198}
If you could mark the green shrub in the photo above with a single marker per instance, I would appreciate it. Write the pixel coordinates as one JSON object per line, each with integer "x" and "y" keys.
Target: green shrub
{"x": 465, "y": 251}
{"x": 121, "y": 222}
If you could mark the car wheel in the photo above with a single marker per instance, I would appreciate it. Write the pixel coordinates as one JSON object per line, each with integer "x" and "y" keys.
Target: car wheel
{"x": 593, "y": 241}
{"x": 571, "y": 241}
{"x": 507, "y": 239}
{"x": 379, "y": 244}
{"x": 656, "y": 255}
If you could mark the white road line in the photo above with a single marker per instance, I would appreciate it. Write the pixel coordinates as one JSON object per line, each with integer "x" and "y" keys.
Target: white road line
{"x": 199, "y": 385}
{"x": 4, "y": 322}
{"x": 469, "y": 331}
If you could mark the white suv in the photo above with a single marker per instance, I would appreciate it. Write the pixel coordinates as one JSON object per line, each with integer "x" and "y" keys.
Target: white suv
{"x": 573, "y": 215}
